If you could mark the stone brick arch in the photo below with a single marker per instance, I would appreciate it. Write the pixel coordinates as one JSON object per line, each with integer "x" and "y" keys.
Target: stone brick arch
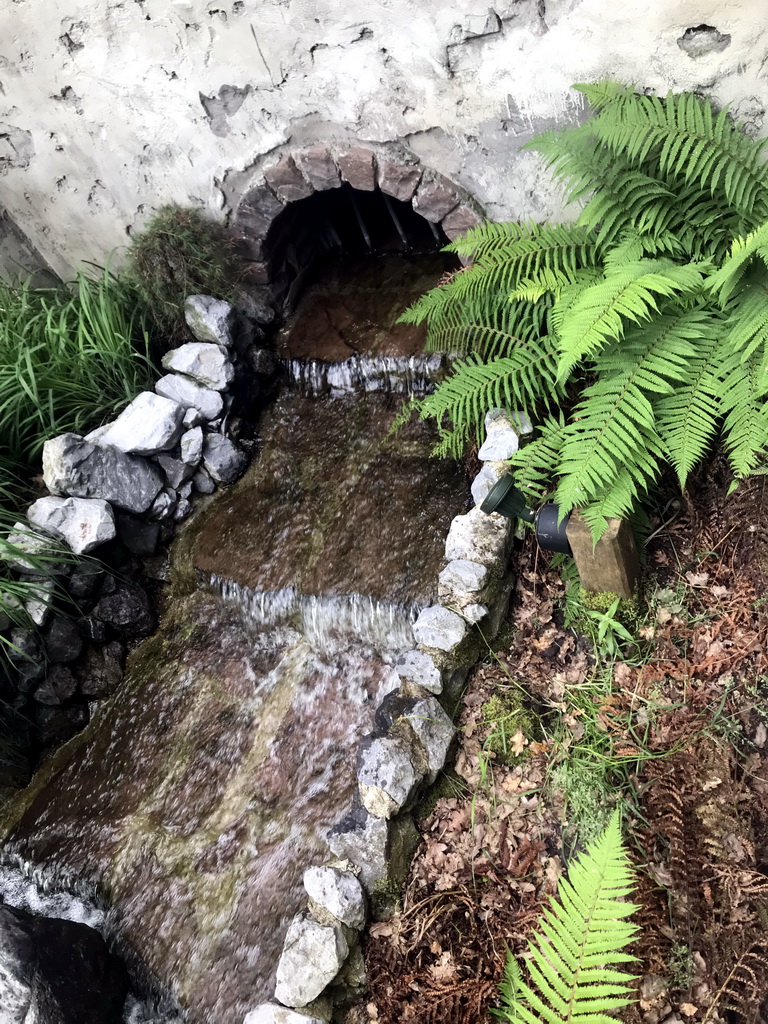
{"x": 300, "y": 172}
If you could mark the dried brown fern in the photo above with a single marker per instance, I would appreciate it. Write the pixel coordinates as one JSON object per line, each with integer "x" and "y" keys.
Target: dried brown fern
{"x": 744, "y": 989}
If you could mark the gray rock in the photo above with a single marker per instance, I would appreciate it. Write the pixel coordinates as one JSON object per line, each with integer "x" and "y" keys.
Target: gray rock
{"x": 386, "y": 775}
{"x": 164, "y": 505}
{"x": 184, "y": 510}
{"x": 58, "y": 686}
{"x": 150, "y": 424}
{"x": 63, "y": 642}
{"x": 77, "y": 468}
{"x": 261, "y": 360}
{"x": 271, "y": 1013}
{"x": 57, "y": 725}
{"x": 222, "y": 459}
{"x": 357, "y": 167}
{"x": 417, "y": 667}
{"x": 192, "y": 446}
{"x": 22, "y": 548}
{"x": 312, "y": 957}
{"x": 319, "y": 167}
{"x": 254, "y": 308}
{"x": 192, "y": 417}
{"x": 176, "y": 471}
{"x": 102, "y": 669}
{"x": 207, "y": 364}
{"x": 474, "y": 613}
{"x": 488, "y": 476}
{"x": 363, "y": 839}
{"x": 208, "y": 403}
{"x": 338, "y": 893}
{"x": 210, "y": 319}
{"x": 435, "y": 197}
{"x": 138, "y": 535}
{"x": 434, "y": 733}
{"x": 461, "y": 581}
{"x": 286, "y": 180}
{"x": 127, "y": 610}
{"x": 38, "y": 605}
{"x": 57, "y": 972}
{"x": 203, "y": 482}
{"x": 85, "y": 581}
{"x": 478, "y": 537}
{"x": 186, "y": 490}
{"x": 82, "y": 523}
{"x": 398, "y": 178}
{"x": 439, "y": 628}
{"x": 500, "y": 444}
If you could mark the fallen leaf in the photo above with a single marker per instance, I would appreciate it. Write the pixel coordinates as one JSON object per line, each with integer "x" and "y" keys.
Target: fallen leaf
{"x": 688, "y": 1009}
{"x": 518, "y": 743}
{"x": 697, "y": 579}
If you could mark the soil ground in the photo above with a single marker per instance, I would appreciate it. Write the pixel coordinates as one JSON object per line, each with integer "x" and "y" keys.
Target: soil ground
{"x": 674, "y": 726}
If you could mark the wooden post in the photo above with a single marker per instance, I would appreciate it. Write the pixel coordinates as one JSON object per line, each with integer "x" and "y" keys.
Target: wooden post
{"x": 611, "y": 565}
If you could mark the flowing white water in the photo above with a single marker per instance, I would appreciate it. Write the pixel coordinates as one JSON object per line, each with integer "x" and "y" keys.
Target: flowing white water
{"x": 394, "y": 374}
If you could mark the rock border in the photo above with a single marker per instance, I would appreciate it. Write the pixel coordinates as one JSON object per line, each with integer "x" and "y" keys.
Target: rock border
{"x": 373, "y": 845}
{"x": 298, "y": 172}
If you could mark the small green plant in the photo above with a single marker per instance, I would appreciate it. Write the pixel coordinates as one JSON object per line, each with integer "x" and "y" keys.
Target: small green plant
{"x": 180, "y": 252}
{"x": 681, "y": 965}
{"x": 504, "y": 716}
{"x": 634, "y": 336}
{"x": 583, "y": 935}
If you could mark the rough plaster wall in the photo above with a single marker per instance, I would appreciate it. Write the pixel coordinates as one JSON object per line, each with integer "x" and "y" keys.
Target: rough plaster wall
{"x": 109, "y": 109}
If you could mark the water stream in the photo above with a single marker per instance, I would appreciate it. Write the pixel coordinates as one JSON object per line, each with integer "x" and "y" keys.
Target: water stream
{"x": 184, "y": 816}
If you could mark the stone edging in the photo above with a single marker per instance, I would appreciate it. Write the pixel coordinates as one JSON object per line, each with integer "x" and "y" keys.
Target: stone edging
{"x": 410, "y": 745}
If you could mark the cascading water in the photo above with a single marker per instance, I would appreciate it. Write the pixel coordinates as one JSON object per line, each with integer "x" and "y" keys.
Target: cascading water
{"x": 191, "y": 806}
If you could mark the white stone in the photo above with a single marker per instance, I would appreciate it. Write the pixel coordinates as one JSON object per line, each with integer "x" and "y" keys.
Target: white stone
{"x": 479, "y": 537}
{"x": 434, "y": 732}
{"x": 362, "y": 839}
{"x": 502, "y": 419}
{"x": 11, "y": 606}
{"x": 271, "y": 1013}
{"x": 418, "y": 668}
{"x": 201, "y": 403}
{"x": 488, "y": 476}
{"x": 207, "y": 364}
{"x": 312, "y": 956}
{"x": 82, "y": 523}
{"x": 461, "y": 579}
{"x": 439, "y": 628}
{"x": 210, "y": 319}
{"x": 222, "y": 459}
{"x": 23, "y": 541}
{"x": 499, "y": 444}
{"x": 150, "y": 424}
{"x": 474, "y": 613}
{"x": 386, "y": 775}
{"x": 192, "y": 446}
{"x": 337, "y": 892}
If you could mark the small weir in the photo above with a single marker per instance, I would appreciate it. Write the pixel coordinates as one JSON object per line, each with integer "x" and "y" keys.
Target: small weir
{"x": 190, "y": 807}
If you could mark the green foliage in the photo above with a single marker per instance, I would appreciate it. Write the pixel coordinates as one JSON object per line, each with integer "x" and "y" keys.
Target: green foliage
{"x": 646, "y": 321}
{"x": 68, "y": 360}
{"x": 180, "y": 252}
{"x": 503, "y": 714}
{"x": 583, "y": 934}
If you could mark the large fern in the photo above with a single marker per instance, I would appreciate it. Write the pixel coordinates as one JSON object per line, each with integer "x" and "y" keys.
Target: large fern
{"x": 572, "y": 961}
{"x": 649, "y": 314}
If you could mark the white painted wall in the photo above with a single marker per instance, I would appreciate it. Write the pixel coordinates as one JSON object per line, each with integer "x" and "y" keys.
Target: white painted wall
{"x": 101, "y": 119}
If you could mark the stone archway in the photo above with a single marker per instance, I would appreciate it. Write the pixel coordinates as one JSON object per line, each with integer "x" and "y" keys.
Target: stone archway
{"x": 300, "y": 172}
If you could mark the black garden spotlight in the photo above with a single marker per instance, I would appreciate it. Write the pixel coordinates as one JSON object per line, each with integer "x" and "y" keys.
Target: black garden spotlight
{"x": 509, "y": 501}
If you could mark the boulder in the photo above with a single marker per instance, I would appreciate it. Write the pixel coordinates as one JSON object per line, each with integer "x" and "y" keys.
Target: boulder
{"x": 193, "y": 396}
{"x": 210, "y": 319}
{"x": 439, "y": 628}
{"x": 191, "y": 446}
{"x": 337, "y": 893}
{"x": 127, "y": 610}
{"x": 418, "y": 668}
{"x": 222, "y": 459}
{"x": 386, "y": 775}
{"x": 207, "y": 364}
{"x": 474, "y": 613}
{"x": 478, "y": 537}
{"x": 57, "y": 972}
{"x": 176, "y": 471}
{"x": 434, "y": 733}
{"x": 75, "y": 467}
{"x": 63, "y": 642}
{"x": 312, "y": 956}
{"x": 150, "y": 424}
{"x": 363, "y": 839}
{"x": 435, "y": 197}
{"x": 82, "y": 523}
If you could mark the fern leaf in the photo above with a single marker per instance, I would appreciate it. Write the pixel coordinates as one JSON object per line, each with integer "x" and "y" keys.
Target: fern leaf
{"x": 745, "y": 429}
{"x": 535, "y": 464}
{"x": 582, "y": 936}
{"x": 725, "y": 280}
{"x": 630, "y": 293}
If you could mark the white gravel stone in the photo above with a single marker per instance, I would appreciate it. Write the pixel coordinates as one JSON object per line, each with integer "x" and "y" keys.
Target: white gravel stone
{"x": 440, "y": 628}
{"x": 210, "y": 319}
{"x": 271, "y": 1013}
{"x": 82, "y": 523}
{"x": 417, "y": 667}
{"x": 312, "y": 956}
{"x": 192, "y": 446}
{"x": 386, "y": 775}
{"x": 337, "y": 892}
{"x": 148, "y": 425}
{"x": 207, "y": 403}
{"x": 478, "y": 537}
{"x": 207, "y": 364}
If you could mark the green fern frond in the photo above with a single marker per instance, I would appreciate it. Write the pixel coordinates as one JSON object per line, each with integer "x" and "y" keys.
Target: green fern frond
{"x": 522, "y": 380}
{"x": 628, "y": 293}
{"x": 605, "y": 93}
{"x": 535, "y": 464}
{"x": 725, "y": 280}
{"x": 745, "y": 429}
{"x": 686, "y": 137}
{"x": 583, "y": 935}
